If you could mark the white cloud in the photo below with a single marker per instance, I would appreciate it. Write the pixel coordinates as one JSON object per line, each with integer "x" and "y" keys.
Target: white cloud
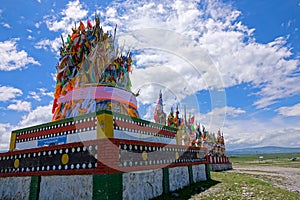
{"x": 149, "y": 115}
{"x": 7, "y": 93}
{"x": 111, "y": 12}
{"x": 291, "y": 111}
{"x": 229, "y": 111}
{"x": 6, "y": 25}
{"x": 40, "y": 93}
{"x": 52, "y": 45}
{"x": 5, "y": 132}
{"x": 41, "y": 114}
{"x": 30, "y": 37}
{"x": 236, "y": 56}
{"x": 73, "y": 12}
{"x": 34, "y": 95}
{"x": 164, "y": 52}
{"x": 20, "y": 106}
{"x": 250, "y": 132}
{"x": 44, "y": 92}
{"x": 253, "y": 132}
{"x": 53, "y": 75}
{"x": 218, "y": 117}
{"x": 37, "y": 24}
{"x": 11, "y": 58}
{"x": 289, "y": 23}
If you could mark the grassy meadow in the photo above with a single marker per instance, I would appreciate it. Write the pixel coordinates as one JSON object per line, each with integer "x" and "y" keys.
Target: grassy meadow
{"x": 282, "y": 160}
{"x": 235, "y": 185}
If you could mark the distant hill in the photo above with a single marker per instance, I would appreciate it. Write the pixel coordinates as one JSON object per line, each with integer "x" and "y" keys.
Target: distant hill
{"x": 263, "y": 150}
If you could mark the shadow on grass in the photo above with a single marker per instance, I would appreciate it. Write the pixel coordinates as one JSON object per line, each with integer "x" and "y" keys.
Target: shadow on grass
{"x": 188, "y": 191}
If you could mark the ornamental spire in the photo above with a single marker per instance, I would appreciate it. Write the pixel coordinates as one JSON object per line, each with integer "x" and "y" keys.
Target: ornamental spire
{"x": 159, "y": 115}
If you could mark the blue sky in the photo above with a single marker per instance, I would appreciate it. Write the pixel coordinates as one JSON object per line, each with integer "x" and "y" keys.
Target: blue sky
{"x": 233, "y": 64}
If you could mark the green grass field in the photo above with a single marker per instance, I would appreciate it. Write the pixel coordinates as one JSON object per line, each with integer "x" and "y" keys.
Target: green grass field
{"x": 228, "y": 185}
{"x": 233, "y": 185}
{"x": 282, "y": 160}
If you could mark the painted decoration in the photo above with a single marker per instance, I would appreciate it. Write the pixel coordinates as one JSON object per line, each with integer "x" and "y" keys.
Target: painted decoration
{"x": 89, "y": 60}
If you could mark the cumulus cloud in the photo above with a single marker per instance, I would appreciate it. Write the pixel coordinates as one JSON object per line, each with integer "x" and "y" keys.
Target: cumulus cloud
{"x": 11, "y": 58}
{"x": 229, "y": 111}
{"x": 216, "y": 28}
{"x": 29, "y": 37}
{"x": 254, "y": 133}
{"x": 19, "y": 105}
{"x": 218, "y": 117}
{"x": 37, "y": 24}
{"x": 47, "y": 44}
{"x": 250, "y": 132}
{"x": 230, "y": 54}
{"x": 7, "y": 93}
{"x": 6, "y": 25}
{"x": 73, "y": 12}
{"x": 291, "y": 111}
{"x": 64, "y": 22}
{"x": 172, "y": 61}
{"x": 39, "y": 115}
{"x": 41, "y": 92}
{"x": 5, "y": 131}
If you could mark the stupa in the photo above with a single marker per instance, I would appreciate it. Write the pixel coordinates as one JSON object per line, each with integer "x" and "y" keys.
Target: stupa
{"x": 97, "y": 146}
{"x": 92, "y": 75}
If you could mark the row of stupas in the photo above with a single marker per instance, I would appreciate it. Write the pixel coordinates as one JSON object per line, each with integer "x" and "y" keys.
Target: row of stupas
{"x": 97, "y": 146}
{"x": 191, "y": 134}
{"x": 93, "y": 75}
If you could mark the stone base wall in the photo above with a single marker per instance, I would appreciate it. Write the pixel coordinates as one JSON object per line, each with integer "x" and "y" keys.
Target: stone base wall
{"x": 145, "y": 184}
{"x": 152, "y": 183}
{"x": 178, "y": 177}
{"x": 220, "y": 167}
{"x": 66, "y": 187}
{"x": 199, "y": 173}
{"x": 15, "y": 187}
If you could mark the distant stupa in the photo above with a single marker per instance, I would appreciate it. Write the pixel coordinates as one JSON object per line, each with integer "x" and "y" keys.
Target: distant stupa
{"x": 159, "y": 115}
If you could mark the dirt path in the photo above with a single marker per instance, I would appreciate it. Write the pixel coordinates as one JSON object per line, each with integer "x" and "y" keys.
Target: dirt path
{"x": 283, "y": 177}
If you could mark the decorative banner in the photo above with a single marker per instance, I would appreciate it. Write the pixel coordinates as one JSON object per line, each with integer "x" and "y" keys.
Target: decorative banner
{"x": 52, "y": 141}
{"x": 100, "y": 93}
{"x": 90, "y": 56}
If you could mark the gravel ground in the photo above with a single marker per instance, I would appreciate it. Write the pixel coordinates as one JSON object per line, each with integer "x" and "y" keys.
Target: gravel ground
{"x": 282, "y": 177}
